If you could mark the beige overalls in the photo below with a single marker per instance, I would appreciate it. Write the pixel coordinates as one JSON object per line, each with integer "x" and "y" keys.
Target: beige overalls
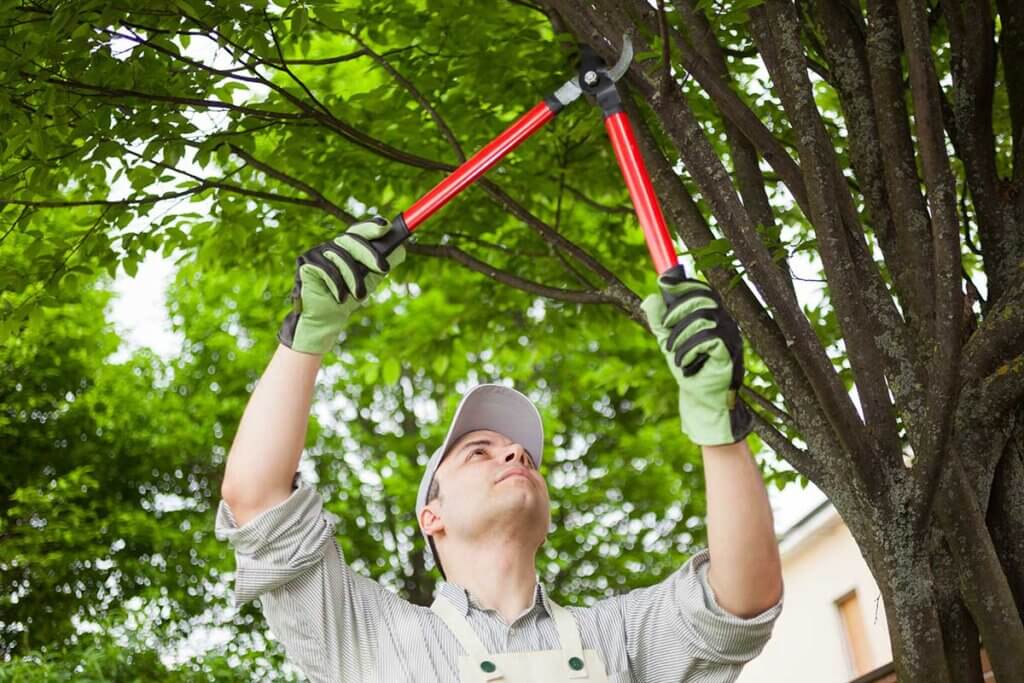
{"x": 571, "y": 663}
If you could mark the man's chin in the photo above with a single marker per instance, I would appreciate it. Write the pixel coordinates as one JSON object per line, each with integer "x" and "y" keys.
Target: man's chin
{"x": 520, "y": 503}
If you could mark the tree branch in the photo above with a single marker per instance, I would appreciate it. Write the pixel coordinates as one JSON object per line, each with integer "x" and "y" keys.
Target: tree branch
{"x": 282, "y": 64}
{"x": 776, "y": 27}
{"x": 1011, "y": 47}
{"x": 614, "y": 287}
{"x": 1003, "y": 390}
{"x": 622, "y": 210}
{"x": 705, "y": 166}
{"x": 63, "y": 204}
{"x": 102, "y": 91}
{"x": 757, "y": 325}
{"x": 749, "y": 178}
{"x": 803, "y": 461}
{"x": 321, "y": 201}
{"x": 733, "y": 108}
{"x": 416, "y": 95}
{"x": 766, "y": 405}
{"x": 506, "y": 278}
{"x": 24, "y": 211}
{"x": 843, "y": 46}
{"x": 944, "y": 368}
{"x": 999, "y": 336}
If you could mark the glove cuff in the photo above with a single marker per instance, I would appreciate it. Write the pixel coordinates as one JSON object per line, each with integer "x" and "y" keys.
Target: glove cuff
{"x": 727, "y": 427}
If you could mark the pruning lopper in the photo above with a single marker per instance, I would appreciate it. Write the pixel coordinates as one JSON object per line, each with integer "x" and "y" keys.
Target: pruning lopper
{"x": 597, "y": 80}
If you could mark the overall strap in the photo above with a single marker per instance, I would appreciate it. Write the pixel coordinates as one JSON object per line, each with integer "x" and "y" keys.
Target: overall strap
{"x": 569, "y": 636}
{"x": 467, "y": 637}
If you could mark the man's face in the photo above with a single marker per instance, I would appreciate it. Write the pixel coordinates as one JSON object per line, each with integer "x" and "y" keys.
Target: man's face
{"x": 488, "y": 481}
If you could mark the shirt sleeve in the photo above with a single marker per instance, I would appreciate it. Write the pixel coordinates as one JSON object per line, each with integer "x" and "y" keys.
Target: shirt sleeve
{"x": 326, "y": 616}
{"x": 676, "y": 628}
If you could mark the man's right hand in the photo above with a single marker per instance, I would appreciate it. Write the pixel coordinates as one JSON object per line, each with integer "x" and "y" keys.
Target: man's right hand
{"x": 329, "y": 286}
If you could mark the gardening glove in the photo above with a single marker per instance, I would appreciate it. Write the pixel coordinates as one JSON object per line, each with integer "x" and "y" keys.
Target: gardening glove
{"x": 329, "y": 286}
{"x": 704, "y": 349}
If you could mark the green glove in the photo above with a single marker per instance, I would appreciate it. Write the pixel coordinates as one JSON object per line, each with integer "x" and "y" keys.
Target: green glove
{"x": 329, "y": 286}
{"x": 704, "y": 349}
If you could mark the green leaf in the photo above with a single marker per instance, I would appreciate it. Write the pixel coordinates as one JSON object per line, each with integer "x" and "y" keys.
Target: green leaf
{"x": 370, "y": 372}
{"x": 190, "y": 9}
{"x": 300, "y": 20}
{"x": 391, "y": 371}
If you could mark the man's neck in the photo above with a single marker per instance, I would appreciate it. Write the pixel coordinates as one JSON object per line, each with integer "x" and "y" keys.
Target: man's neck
{"x": 501, "y": 576}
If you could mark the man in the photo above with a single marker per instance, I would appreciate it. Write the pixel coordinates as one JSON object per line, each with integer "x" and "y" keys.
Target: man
{"x": 484, "y": 508}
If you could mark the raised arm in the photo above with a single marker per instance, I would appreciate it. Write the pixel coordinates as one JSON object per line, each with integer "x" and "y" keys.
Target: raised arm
{"x": 328, "y": 287}
{"x": 704, "y": 349}
{"x": 745, "y": 570}
{"x": 271, "y": 435}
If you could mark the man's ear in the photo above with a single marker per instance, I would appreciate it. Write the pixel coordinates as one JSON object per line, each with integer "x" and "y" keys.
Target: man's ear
{"x": 430, "y": 521}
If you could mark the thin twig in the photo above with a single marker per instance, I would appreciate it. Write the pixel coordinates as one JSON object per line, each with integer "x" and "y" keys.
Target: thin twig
{"x": 506, "y": 278}
{"x": 323, "y": 202}
{"x": 416, "y": 95}
{"x": 291, "y": 74}
{"x": 767, "y": 405}
{"x": 17, "y": 220}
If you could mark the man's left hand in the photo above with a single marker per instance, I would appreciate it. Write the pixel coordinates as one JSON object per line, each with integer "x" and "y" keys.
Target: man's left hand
{"x": 704, "y": 349}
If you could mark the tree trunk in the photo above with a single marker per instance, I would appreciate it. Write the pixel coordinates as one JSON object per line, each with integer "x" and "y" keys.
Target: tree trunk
{"x": 983, "y": 585}
{"x": 908, "y": 591}
{"x": 1005, "y": 516}
{"x": 959, "y": 632}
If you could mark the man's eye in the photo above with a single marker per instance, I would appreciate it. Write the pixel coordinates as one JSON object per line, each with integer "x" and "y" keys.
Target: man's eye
{"x": 476, "y": 451}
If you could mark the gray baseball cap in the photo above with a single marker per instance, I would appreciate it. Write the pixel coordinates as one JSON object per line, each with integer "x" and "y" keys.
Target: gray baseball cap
{"x": 486, "y": 406}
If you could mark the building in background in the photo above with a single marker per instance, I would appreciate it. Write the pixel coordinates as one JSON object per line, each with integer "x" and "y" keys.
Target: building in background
{"x": 833, "y": 627}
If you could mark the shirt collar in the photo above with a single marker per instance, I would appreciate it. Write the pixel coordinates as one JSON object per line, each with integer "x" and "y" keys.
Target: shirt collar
{"x": 464, "y": 600}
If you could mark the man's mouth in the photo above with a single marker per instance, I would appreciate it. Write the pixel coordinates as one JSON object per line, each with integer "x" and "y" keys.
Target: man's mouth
{"x": 517, "y": 472}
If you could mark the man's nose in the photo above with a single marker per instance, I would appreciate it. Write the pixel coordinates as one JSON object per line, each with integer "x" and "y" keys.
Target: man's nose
{"x": 517, "y": 453}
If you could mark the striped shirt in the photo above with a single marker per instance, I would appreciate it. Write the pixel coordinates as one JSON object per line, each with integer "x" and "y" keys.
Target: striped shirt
{"x": 337, "y": 625}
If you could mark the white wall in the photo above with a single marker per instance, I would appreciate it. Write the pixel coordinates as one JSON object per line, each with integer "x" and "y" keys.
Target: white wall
{"x": 820, "y": 564}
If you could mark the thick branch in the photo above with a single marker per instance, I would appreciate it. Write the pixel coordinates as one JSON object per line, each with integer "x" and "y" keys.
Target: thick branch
{"x": 778, "y": 26}
{"x": 999, "y": 337}
{"x": 733, "y": 108}
{"x": 1011, "y": 47}
{"x": 758, "y": 326}
{"x": 749, "y": 178}
{"x": 843, "y": 46}
{"x": 944, "y": 368}
{"x": 909, "y": 213}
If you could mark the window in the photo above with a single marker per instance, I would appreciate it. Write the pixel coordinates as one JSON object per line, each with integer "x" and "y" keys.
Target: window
{"x": 855, "y": 633}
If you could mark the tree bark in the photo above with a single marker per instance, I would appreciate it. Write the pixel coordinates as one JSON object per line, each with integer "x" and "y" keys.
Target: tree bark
{"x": 1005, "y": 516}
{"x": 905, "y": 578}
{"x": 959, "y": 632}
{"x": 983, "y": 585}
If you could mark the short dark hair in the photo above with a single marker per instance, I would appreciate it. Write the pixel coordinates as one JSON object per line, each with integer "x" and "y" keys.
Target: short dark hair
{"x": 434, "y": 491}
